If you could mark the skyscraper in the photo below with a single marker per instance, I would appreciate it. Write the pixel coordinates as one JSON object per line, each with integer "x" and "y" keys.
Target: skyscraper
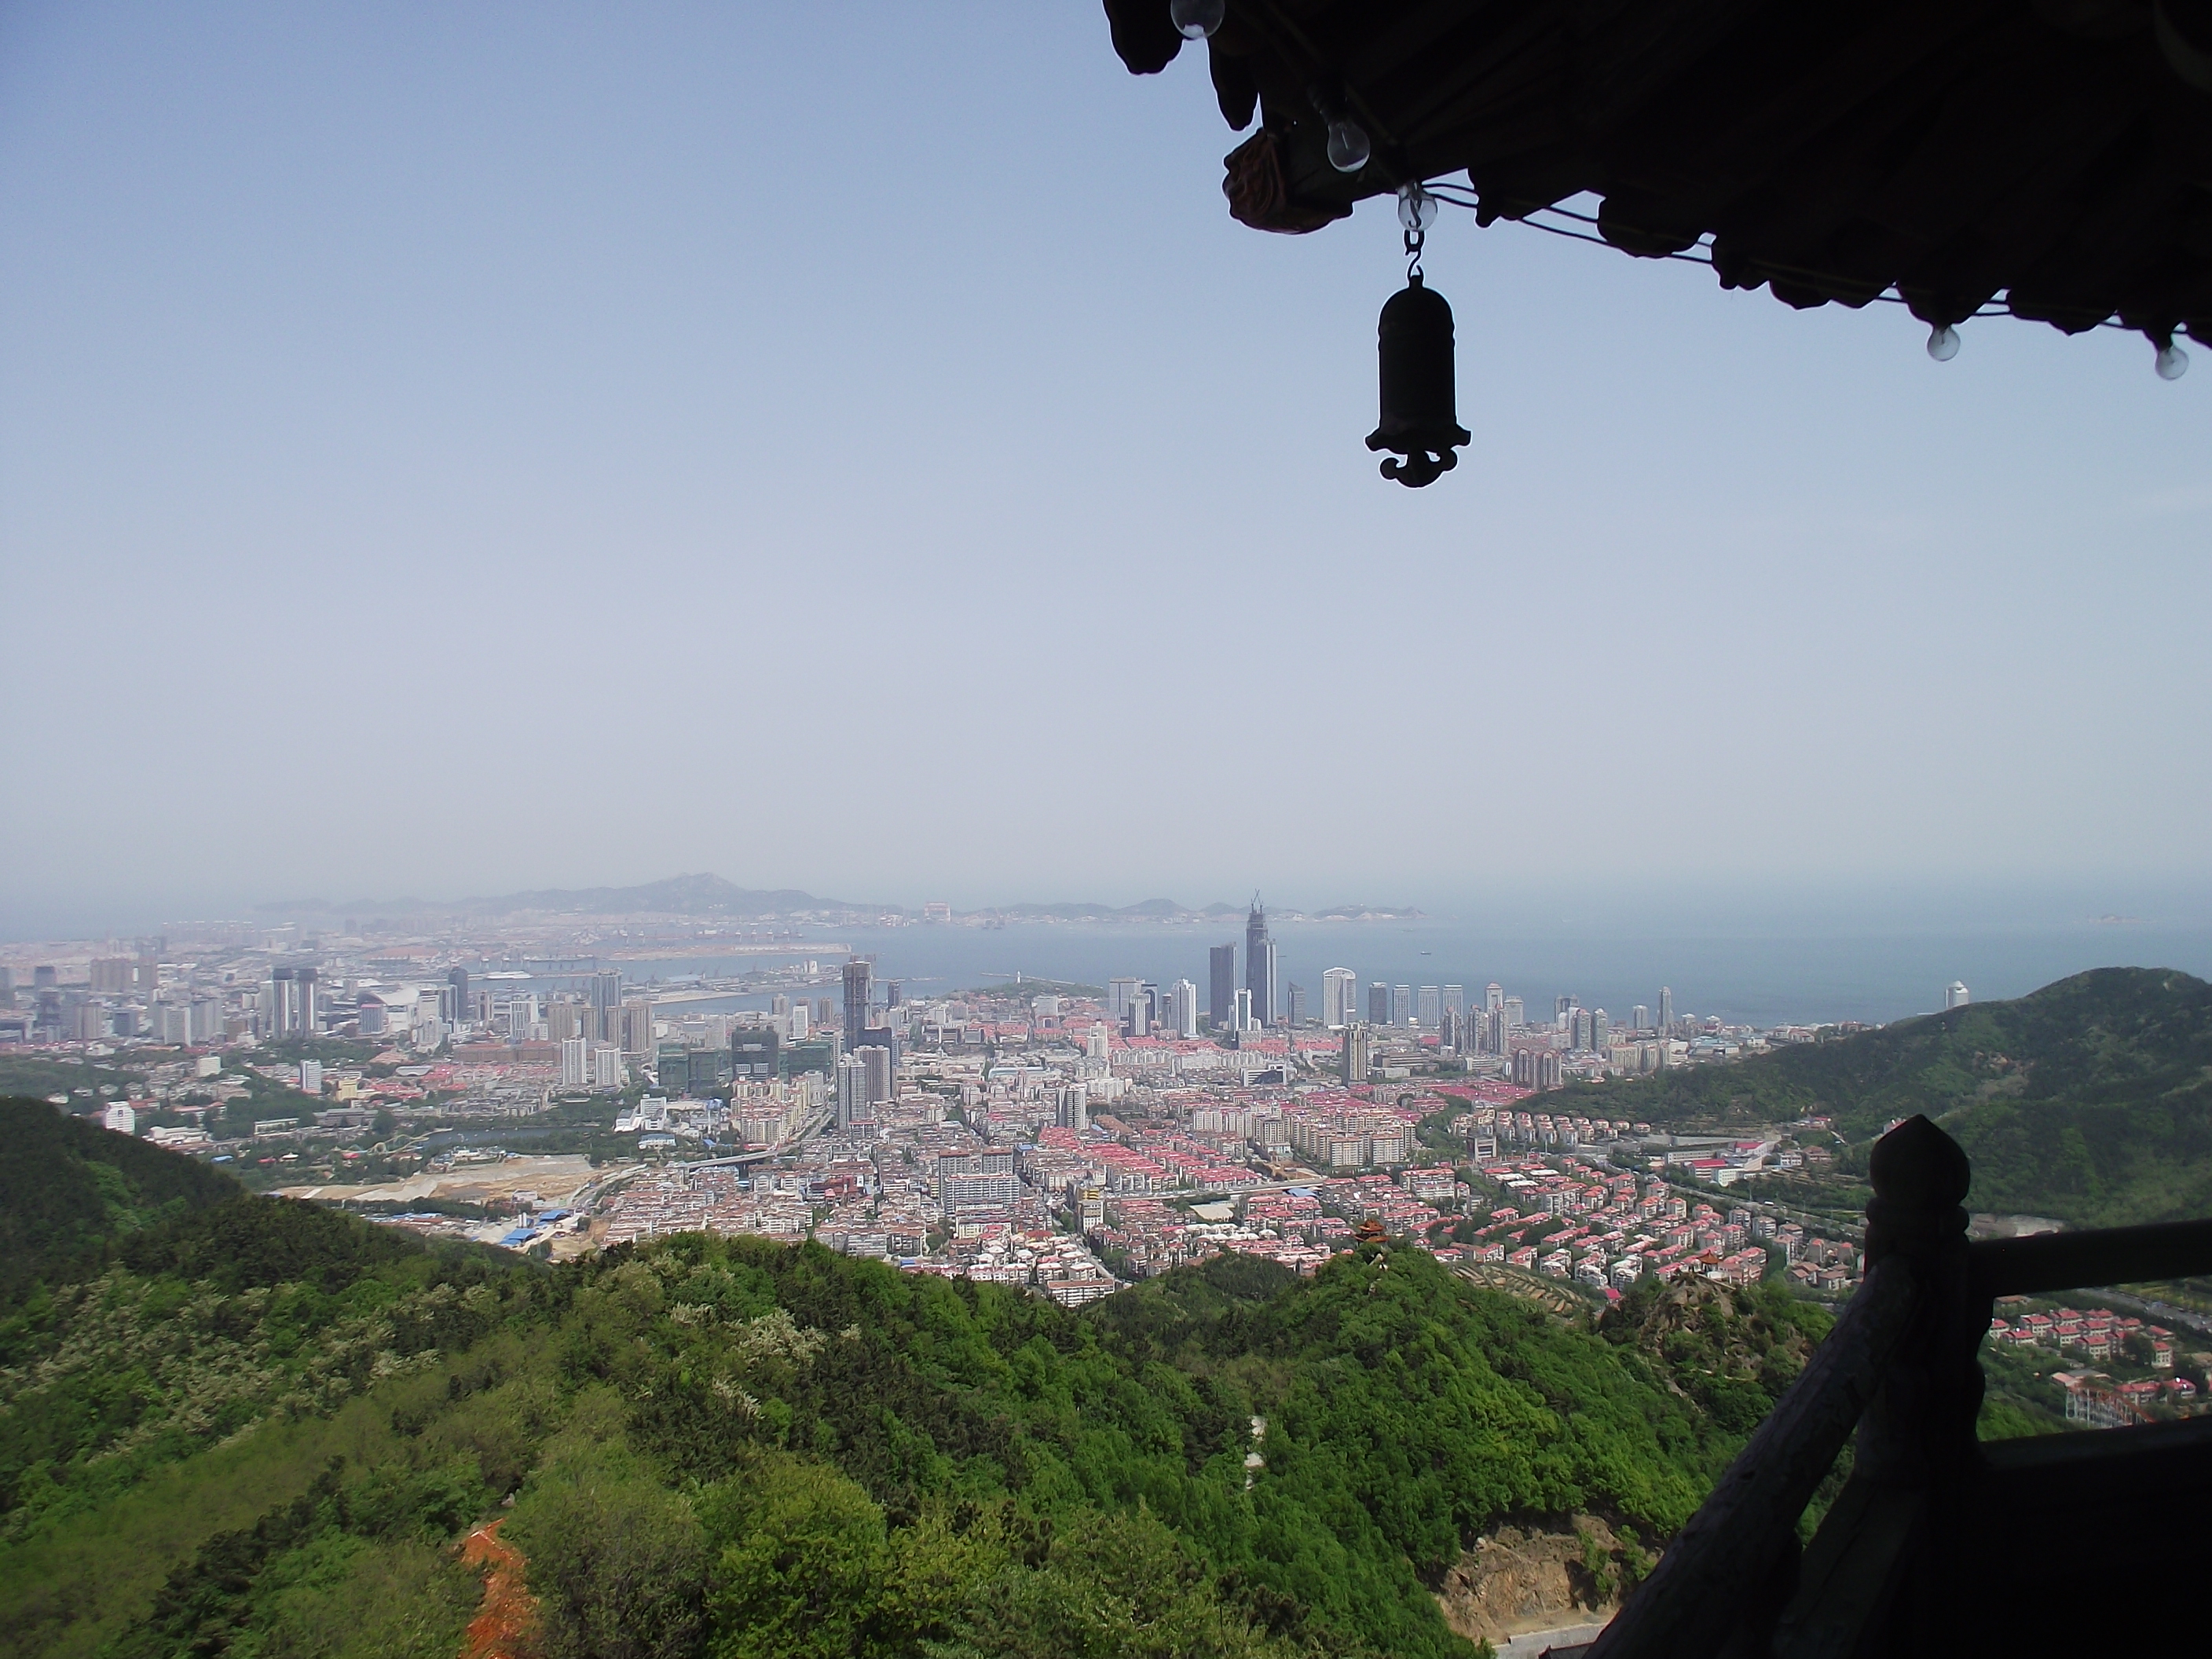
{"x": 1221, "y": 983}
{"x": 606, "y": 1004}
{"x": 1378, "y": 1004}
{"x": 457, "y": 1008}
{"x": 1339, "y": 998}
{"x": 1600, "y": 1030}
{"x": 1183, "y": 1008}
{"x": 576, "y": 1062}
{"x": 1120, "y": 993}
{"x": 1259, "y": 964}
{"x": 636, "y": 1025}
{"x": 858, "y": 973}
{"x": 1355, "y": 1054}
{"x": 1294, "y": 1005}
{"x": 1071, "y": 1106}
{"x": 1493, "y": 995}
{"x": 1429, "y": 1007}
{"x": 876, "y": 1064}
{"x": 853, "y": 1105}
{"x": 1456, "y": 1001}
{"x": 1401, "y": 1005}
{"x": 1667, "y": 1010}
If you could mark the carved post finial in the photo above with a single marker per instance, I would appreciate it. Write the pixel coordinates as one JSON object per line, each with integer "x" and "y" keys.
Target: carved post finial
{"x": 1920, "y": 1177}
{"x": 1920, "y": 1429}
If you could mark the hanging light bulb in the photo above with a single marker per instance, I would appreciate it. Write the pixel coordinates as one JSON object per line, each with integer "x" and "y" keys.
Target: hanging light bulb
{"x": 1348, "y": 148}
{"x": 1417, "y": 209}
{"x": 1196, "y": 19}
{"x": 2172, "y": 362}
{"x": 1943, "y": 342}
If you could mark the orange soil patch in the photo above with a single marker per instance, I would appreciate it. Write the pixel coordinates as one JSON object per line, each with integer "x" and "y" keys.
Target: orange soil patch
{"x": 506, "y": 1624}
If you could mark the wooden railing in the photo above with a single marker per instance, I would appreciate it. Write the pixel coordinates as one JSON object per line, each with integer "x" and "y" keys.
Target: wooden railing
{"x": 1902, "y": 1367}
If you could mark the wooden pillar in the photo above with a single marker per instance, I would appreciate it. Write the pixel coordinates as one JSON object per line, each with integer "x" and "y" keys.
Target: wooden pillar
{"x": 1919, "y": 1432}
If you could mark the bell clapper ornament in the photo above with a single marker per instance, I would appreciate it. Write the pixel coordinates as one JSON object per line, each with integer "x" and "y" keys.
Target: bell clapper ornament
{"x": 1420, "y": 417}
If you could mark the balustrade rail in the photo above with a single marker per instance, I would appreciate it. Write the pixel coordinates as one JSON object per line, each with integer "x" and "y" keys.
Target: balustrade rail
{"x": 1902, "y": 1369}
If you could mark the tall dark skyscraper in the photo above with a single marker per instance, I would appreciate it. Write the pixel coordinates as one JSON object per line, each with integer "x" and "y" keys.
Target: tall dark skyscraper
{"x": 1221, "y": 983}
{"x": 857, "y": 977}
{"x": 459, "y": 1008}
{"x": 1259, "y": 964}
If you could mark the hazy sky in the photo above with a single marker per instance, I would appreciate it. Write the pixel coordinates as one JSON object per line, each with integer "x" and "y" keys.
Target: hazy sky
{"x": 457, "y": 449}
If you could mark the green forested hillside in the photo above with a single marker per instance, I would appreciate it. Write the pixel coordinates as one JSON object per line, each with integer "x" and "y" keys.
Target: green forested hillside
{"x": 68, "y": 1187}
{"x": 2089, "y": 1100}
{"x": 258, "y": 1430}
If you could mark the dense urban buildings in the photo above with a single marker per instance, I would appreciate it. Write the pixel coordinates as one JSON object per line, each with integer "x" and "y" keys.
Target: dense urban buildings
{"x": 1064, "y": 1139}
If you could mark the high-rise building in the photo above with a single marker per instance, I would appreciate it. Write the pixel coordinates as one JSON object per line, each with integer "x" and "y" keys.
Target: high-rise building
{"x": 1447, "y": 1029}
{"x": 575, "y": 1072}
{"x": 1137, "y": 1018}
{"x": 1639, "y": 1019}
{"x": 876, "y": 1061}
{"x": 605, "y": 989}
{"x": 1294, "y": 1005}
{"x": 1339, "y": 998}
{"x": 565, "y": 1020}
{"x": 637, "y": 1025}
{"x": 311, "y": 1077}
{"x": 795, "y": 1021}
{"x": 858, "y": 973}
{"x": 1667, "y": 1010}
{"x": 853, "y": 1105}
{"x": 1494, "y": 1035}
{"x": 1071, "y": 1106}
{"x": 1240, "y": 1016}
{"x": 1120, "y": 993}
{"x": 1097, "y": 1043}
{"x": 1562, "y": 1009}
{"x": 1516, "y": 1013}
{"x": 1221, "y": 983}
{"x": 1429, "y": 1007}
{"x": 1455, "y": 1000}
{"x": 1401, "y": 1005}
{"x": 755, "y": 1056}
{"x": 1183, "y": 1008}
{"x": 1957, "y": 996}
{"x": 607, "y": 1071}
{"x": 1259, "y": 964}
{"x": 1580, "y": 1020}
{"x": 1355, "y": 1054}
{"x": 824, "y": 1012}
{"x": 672, "y": 1069}
{"x": 1493, "y": 996}
{"x": 1378, "y": 1004}
{"x": 1600, "y": 1030}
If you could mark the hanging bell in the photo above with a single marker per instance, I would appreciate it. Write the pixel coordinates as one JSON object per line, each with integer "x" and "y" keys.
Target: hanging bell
{"x": 1420, "y": 417}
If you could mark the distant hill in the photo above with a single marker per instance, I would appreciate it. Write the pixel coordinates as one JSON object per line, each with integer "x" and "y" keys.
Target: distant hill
{"x": 2089, "y": 1100}
{"x": 698, "y": 895}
